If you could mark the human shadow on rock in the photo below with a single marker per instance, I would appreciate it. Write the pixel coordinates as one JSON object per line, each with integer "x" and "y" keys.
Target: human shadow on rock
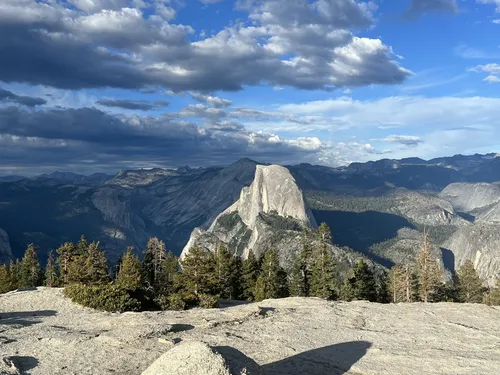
{"x": 24, "y": 318}
{"x": 334, "y": 359}
{"x": 23, "y": 363}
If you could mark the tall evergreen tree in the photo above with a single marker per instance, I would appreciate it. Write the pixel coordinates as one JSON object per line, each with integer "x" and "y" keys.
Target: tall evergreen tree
{"x": 169, "y": 275}
{"x": 470, "y": 285}
{"x": 300, "y": 275}
{"x": 383, "y": 295}
{"x": 272, "y": 281}
{"x": 250, "y": 274}
{"x": 96, "y": 265}
{"x": 397, "y": 284}
{"x": 228, "y": 273}
{"x": 82, "y": 247}
{"x": 51, "y": 277}
{"x": 154, "y": 262}
{"x": 67, "y": 253}
{"x": 323, "y": 282}
{"x": 363, "y": 283}
{"x": 130, "y": 271}
{"x": 14, "y": 273}
{"x": 31, "y": 273}
{"x": 4, "y": 279}
{"x": 199, "y": 272}
{"x": 428, "y": 271}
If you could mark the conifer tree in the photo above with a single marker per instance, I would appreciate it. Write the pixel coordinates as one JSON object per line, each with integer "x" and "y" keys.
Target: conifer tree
{"x": 4, "y": 279}
{"x": 300, "y": 275}
{"x": 470, "y": 285}
{"x": 324, "y": 233}
{"x": 169, "y": 275}
{"x": 82, "y": 246}
{"x": 96, "y": 265}
{"x": 428, "y": 271}
{"x": 67, "y": 253}
{"x": 397, "y": 284}
{"x": 363, "y": 283}
{"x": 383, "y": 288}
{"x": 130, "y": 271}
{"x": 272, "y": 280}
{"x": 198, "y": 269}
{"x": 154, "y": 262}
{"x": 51, "y": 278}
{"x": 250, "y": 274}
{"x": 31, "y": 273}
{"x": 14, "y": 273}
{"x": 323, "y": 282}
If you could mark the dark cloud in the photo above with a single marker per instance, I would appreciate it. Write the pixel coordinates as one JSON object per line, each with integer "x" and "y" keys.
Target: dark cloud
{"x": 28, "y": 101}
{"x": 420, "y": 7}
{"x": 88, "y": 139}
{"x": 407, "y": 140}
{"x": 51, "y": 45}
{"x": 140, "y": 105}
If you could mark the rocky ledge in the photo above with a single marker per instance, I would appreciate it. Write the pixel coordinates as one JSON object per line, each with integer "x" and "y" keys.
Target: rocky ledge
{"x": 41, "y": 333}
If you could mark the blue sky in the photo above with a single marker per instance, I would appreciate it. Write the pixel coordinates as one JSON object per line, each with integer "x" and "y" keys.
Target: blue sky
{"x": 102, "y": 85}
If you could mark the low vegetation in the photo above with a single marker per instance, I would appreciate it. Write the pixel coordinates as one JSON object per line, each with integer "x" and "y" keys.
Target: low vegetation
{"x": 161, "y": 281}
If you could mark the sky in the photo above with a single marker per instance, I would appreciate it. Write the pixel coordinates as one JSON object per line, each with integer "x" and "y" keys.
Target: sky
{"x": 103, "y": 85}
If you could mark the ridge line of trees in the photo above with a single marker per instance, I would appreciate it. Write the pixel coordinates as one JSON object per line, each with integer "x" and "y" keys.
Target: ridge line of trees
{"x": 162, "y": 281}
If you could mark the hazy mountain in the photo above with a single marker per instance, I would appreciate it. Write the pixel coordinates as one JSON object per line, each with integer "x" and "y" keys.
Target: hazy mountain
{"x": 377, "y": 208}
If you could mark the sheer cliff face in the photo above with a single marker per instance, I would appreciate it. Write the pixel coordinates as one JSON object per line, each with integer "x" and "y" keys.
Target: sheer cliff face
{"x": 480, "y": 241}
{"x": 467, "y": 197}
{"x": 269, "y": 213}
{"x": 272, "y": 190}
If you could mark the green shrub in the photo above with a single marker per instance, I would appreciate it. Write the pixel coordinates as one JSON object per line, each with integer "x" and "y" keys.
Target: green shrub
{"x": 176, "y": 302}
{"x": 208, "y": 301}
{"x": 106, "y": 297}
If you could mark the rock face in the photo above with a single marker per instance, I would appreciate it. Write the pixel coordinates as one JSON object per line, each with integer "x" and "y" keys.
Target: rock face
{"x": 270, "y": 213}
{"x": 272, "y": 190}
{"x": 466, "y": 197}
{"x": 478, "y": 243}
{"x": 5, "y": 250}
{"x": 292, "y": 336}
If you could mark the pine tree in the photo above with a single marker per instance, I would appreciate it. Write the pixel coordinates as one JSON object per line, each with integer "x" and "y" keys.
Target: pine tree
{"x": 272, "y": 281}
{"x": 428, "y": 271}
{"x": 4, "y": 279}
{"x": 130, "y": 271}
{"x": 250, "y": 274}
{"x": 96, "y": 265}
{"x": 300, "y": 276}
{"x": 363, "y": 283}
{"x": 154, "y": 262}
{"x": 14, "y": 273}
{"x": 470, "y": 285}
{"x": 31, "y": 273}
{"x": 324, "y": 233}
{"x": 323, "y": 283}
{"x": 82, "y": 246}
{"x": 383, "y": 288}
{"x": 67, "y": 254}
{"x": 397, "y": 284}
{"x": 169, "y": 275}
{"x": 199, "y": 272}
{"x": 51, "y": 278}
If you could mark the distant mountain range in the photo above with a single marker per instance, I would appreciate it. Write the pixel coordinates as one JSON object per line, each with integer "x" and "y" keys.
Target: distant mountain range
{"x": 378, "y": 208}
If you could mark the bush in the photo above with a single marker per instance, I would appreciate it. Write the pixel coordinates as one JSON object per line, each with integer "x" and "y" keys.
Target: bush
{"x": 207, "y": 301}
{"x": 176, "y": 302}
{"x": 106, "y": 297}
